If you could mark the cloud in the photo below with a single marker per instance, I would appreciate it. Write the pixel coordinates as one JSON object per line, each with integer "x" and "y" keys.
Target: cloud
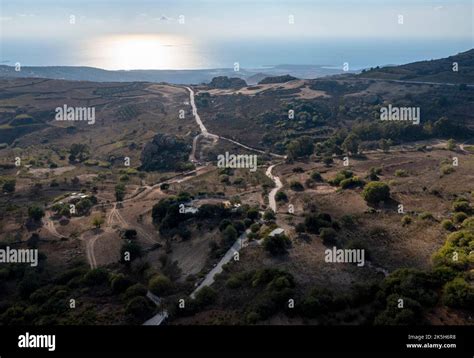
{"x": 164, "y": 18}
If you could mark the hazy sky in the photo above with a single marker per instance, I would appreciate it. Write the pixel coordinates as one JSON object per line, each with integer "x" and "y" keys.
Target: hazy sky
{"x": 233, "y": 18}
{"x": 148, "y": 34}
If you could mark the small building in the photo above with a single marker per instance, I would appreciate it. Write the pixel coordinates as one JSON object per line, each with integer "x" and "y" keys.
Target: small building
{"x": 277, "y": 231}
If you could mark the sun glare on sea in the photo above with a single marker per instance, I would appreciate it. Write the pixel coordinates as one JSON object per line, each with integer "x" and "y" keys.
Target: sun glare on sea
{"x": 142, "y": 51}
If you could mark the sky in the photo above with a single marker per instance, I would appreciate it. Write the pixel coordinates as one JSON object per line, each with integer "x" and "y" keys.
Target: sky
{"x": 122, "y": 26}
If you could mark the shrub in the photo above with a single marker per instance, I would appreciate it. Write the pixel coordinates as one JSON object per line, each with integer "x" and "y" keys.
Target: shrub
{"x": 392, "y": 315}
{"x": 130, "y": 234}
{"x": 120, "y": 283}
{"x": 296, "y": 186}
{"x": 448, "y": 225}
{"x": 136, "y": 290}
{"x": 313, "y": 223}
{"x": 223, "y": 224}
{"x": 119, "y": 192}
{"x": 450, "y": 144}
{"x": 252, "y": 317}
{"x": 205, "y": 296}
{"x": 401, "y": 173}
{"x": 96, "y": 277}
{"x": 233, "y": 282}
{"x": 35, "y": 213}
{"x": 300, "y": 227}
{"x": 159, "y": 285}
{"x": 458, "y": 294}
{"x": 28, "y": 285}
{"x": 462, "y": 206}
{"x": 269, "y": 215}
{"x": 253, "y": 214}
{"x": 9, "y": 185}
{"x": 130, "y": 251}
{"x": 277, "y": 244}
{"x": 426, "y": 215}
{"x": 281, "y": 196}
{"x": 255, "y": 227}
{"x": 184, "y": 233}
{"x": 468, "y": 223}
{"x": 375, "y": 192}
{"x": 316, "y": 176}
{"x": 459, "y": 217}
{"x": 97, "y": 221}
{"x": 328, "y": 235}
{"x": 353, "y": 182}
{"x": 327, "y": 161}
{"x": 447, "y": 169}
{"x": 406, "y": 220}
{"x": 340, "y": 176}
{"x": 139, "y": 307}
{"x": 318, "y": 301}
{"x": 229, "y": 234}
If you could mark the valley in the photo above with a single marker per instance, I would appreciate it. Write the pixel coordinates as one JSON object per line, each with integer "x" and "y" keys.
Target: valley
{"x": 135, "y": 218}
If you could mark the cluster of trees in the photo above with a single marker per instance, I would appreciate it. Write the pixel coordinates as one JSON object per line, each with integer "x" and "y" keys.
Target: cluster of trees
{"x": 378, "y": 134}
{"x": 166, "y": 152}
{"x": 264, "y": 292}
{"x": 277, "y": 245}
{"x": 346, "y": 180}
{"x": 313, "y": 222}
{"x": 376, "y": 192}
{"x": 35, "y": 213}
{"x": 78, "y": 152}
{"x": 82, "y": 207}
{"x": 224, "y": 82}
{"x": 42, "y": 296}
{"x": 8, "y": 184}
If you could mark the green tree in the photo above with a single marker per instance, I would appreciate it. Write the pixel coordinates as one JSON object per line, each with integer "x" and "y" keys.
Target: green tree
{"x": 120, "y": 283}
{"x": 229, "y": 234}
{"x": 351, "y": 144}
{"x": 277, "y": 244}
{"x": 159, "y": 285}
{"x": 35, "y": 213}
{"x": 206, "y": 296}
{"x": 269, "y": 215}
{"x": 375, "y": 192}
{"x": 459, "y": 294}
{"x": 301, "y": 147}
{"x": 451, "y": 144}
{"x": 119, "y": 192}
{"x": 281, "y": 196}
{"x": 385, "y": 144}
{"x": 9, "y": 185}
{"x": 139, "y": 307}
{"x": 97, "y": 221}
{"x": 78, "y": 152}
{"x": 328, "y": 235}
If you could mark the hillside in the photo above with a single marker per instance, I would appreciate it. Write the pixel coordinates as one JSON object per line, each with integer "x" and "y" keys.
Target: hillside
{"x": 440, "y": 70}
{"x": 313, "y": 169}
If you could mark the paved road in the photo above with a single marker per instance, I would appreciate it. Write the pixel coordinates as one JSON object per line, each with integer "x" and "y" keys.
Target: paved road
{"x": 210, "y": 277}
